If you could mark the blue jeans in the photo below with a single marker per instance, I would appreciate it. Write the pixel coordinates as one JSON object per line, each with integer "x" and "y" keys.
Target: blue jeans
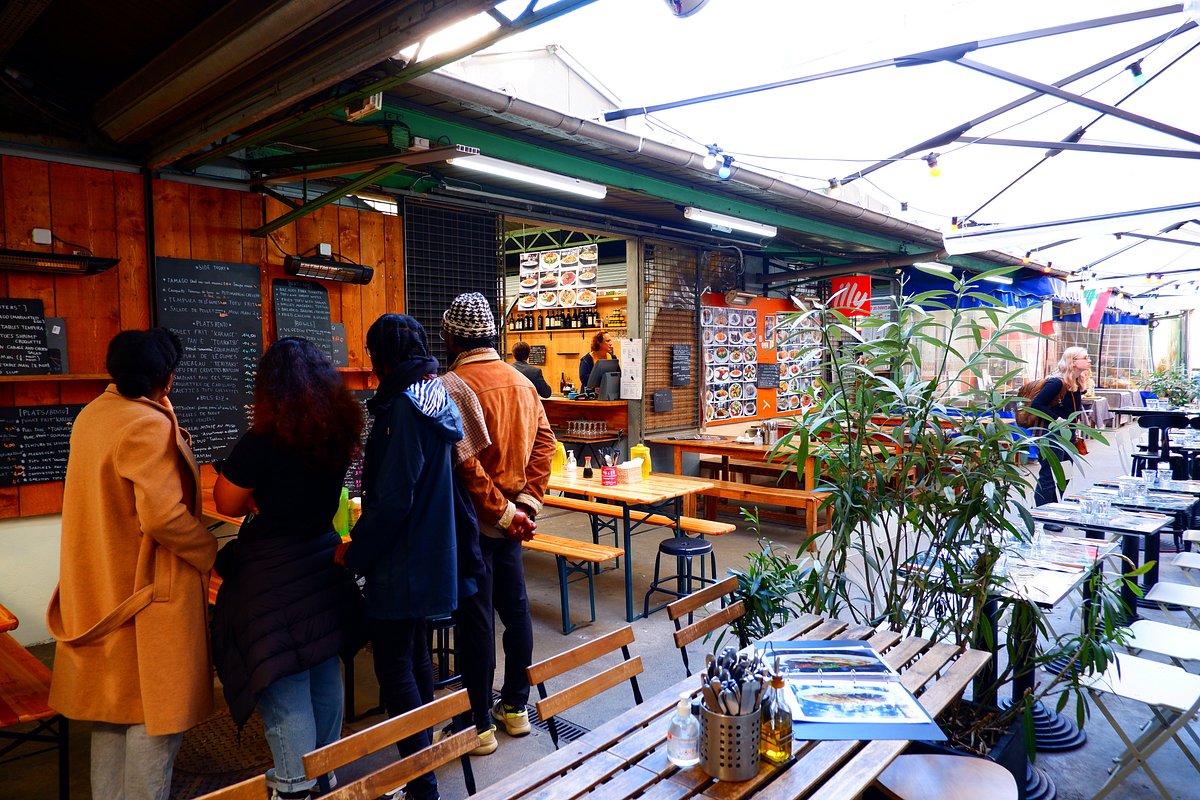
{"x": 301, "y": 713}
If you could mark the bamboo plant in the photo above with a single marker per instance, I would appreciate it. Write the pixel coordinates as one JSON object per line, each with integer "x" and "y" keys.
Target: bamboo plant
{"x": 926, "y": 500}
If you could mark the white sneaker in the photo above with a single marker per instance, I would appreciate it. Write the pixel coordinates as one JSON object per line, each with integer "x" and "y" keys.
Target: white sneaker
{"x": 514, "y": 720}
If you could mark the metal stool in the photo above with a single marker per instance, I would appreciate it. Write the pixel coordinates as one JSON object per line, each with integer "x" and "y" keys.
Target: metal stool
{"x": 442, "y": 634}
{"x": 683, "y": 549}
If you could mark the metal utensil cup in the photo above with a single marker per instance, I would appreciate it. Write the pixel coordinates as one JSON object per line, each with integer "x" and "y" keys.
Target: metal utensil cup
{"x": 729, "y": 744}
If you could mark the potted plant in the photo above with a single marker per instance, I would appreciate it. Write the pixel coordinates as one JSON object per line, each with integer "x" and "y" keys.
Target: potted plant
{"x": 927, "y": 500}
{"x": 1172, "y": 385}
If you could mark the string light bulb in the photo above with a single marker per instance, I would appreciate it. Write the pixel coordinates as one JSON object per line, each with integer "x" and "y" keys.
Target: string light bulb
{"x": 1135, "y": 69}
{"x": 710, "y": 159}
{"x": 932, "y": 161}
{"x": 954, "y": 223}
{"x": 1027, "y": 258}
{"x": 835, "y": 188}
{"x": 726, "y": 168}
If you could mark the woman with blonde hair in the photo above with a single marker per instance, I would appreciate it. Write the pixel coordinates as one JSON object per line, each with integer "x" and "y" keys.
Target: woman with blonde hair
{"x": 1061, "y": 397}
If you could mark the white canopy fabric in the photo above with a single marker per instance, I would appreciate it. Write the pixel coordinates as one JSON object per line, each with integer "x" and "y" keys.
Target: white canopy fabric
{"x": 994, "y": 172}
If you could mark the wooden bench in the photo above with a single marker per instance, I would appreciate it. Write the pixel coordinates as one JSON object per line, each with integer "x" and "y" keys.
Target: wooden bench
{"x": 25, "y": 700}
{"x": 723, "y": 468}
{"x": 573, "y": 558}
{"x": 745, "y": 494}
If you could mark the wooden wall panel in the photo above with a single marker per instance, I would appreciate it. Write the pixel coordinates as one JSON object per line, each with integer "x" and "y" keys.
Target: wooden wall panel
{"x": 84, "y": 214}
{"x": 172, "y": 221}
{"x": 374, "y": 294}
{"x": 348, "y": 245}
{"x": 216, "y": 223}
{"x": 27, "y": 206}
{"x": 133, "y": 276}
{"x": 393, "y": 230}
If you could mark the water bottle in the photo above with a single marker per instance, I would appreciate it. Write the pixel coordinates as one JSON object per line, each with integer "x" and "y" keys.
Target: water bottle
{"x": 683, "y": 735}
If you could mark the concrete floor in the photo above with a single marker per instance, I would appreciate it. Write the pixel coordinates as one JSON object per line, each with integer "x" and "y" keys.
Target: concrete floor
{"x": 1077, "y": 774}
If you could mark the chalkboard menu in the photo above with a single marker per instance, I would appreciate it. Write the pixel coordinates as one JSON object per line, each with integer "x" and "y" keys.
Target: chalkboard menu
{"x": 23, "y": 338}
{"x": 35, "y": 442}
{"x": 302, "y": 309}
{"x": 216, "y": 308}
{"x": 681, "y": 365}
{"x": 353, "y": 480}
{"x": 768, "y": 376}
{"x": 341, "y": 351}
{"x": 537, "y": 355}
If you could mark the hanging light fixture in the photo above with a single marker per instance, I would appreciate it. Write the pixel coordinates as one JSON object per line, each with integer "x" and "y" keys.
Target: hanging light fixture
{"x": 932, "y": 161}
{"x": 710, "y": 159}
{"x": 538, "y": 177}
{"x": 1135, "y": 69}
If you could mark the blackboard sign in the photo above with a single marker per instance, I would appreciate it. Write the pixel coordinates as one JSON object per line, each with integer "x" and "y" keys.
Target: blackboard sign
{"x": 341, "y": 352}
{"x": 681, "y": 365}
{"x": 353, "y": 480}
{"x": 537, "y": 355}
{"x": 56, "y": 345}
{"x": 216, "y": 308}
{"x": 35, "y": 442}
{"x": 302, "y": 309}
{"x": 22, "y": 338}
{"x": 768, "y": 376}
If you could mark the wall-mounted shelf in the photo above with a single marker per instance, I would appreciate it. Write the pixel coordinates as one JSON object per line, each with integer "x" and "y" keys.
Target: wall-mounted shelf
{"x": 76, "y": 376}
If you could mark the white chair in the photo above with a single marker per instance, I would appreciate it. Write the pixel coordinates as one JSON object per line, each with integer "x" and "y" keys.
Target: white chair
{"x": 1181, "y": 645}
{"x": 1173, "y": 697}
{"x": 1189, "y": 565}
{"x": 1183, "y": 595}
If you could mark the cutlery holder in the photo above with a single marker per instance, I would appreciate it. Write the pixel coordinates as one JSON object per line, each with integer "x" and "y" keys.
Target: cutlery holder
{"x": 729, "y": 744}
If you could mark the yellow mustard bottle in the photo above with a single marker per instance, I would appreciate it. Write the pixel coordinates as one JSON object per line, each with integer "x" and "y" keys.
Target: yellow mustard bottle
{"x": 640, "y": 450}
{"x": 559, "y": 460}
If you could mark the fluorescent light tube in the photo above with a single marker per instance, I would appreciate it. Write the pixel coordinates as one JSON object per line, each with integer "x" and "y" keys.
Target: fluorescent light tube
{"x": 538, "y": 177}
{"x": 1004, "y": 279}
{"x": 726, "y": 221}
{"x": 945, "y": 269}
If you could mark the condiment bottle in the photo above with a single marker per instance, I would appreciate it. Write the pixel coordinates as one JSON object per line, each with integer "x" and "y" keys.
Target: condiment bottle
{"x": 775, "y": 744}
{"x": 640, "y": 450}
{"x": 559, "y": 461}
{"x": 572, "y": 465}
{"x": 683, "y": 735}
{"x": 341, "y": 517}
{"x": 587, "y": 466}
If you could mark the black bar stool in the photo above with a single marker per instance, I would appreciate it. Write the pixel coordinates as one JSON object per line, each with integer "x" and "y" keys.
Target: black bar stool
{"x": 683, "y": 549}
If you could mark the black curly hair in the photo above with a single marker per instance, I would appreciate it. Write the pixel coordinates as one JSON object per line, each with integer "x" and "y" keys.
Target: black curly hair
{"x": 141, "y": 362}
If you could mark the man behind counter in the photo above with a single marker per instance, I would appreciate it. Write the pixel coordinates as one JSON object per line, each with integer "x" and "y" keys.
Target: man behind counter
{"x": 520, "y": 352}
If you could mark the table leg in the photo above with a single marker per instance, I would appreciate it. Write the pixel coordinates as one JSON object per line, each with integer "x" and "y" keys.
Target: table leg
{"x": 629, "y": 617}
{"x": 1052, "y": 731}
{"x": 678, "y": 460}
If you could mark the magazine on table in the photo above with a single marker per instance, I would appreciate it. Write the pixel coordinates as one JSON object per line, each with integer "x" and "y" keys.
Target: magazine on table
{"x": 845, "y": 690}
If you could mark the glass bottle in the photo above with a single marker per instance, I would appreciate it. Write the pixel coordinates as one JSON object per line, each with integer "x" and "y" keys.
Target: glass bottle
{"x": 572, "y": 465}
{"x": 683, "y": 735}
{"x": 587, "y": 466}
{"x": 775, "y": 745}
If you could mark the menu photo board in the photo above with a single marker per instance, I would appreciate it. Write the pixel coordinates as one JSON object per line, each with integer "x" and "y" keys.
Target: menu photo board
{"x": 798, "y": 351}
{"x": 558, "y": 278}
{"x": 216, "y": 309}
{"x": 730, "y": 339}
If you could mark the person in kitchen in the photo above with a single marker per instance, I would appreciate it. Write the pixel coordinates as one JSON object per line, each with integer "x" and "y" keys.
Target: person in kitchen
{"x": 601, "y": 349}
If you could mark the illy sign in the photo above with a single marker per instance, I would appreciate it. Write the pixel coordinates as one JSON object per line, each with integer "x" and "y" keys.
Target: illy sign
{"x": 852, "y": 295}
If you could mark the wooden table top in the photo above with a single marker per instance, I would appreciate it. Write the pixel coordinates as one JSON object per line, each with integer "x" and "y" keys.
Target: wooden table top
{"x": 654, "y": 489}
{"x": 722, "y": 445}
{"x": 626, "y": 757}
{"x": 8, "y": 620}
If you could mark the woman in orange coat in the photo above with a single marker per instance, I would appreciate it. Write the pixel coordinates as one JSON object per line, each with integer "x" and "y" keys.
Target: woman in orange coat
{"x": 129, "y": 612}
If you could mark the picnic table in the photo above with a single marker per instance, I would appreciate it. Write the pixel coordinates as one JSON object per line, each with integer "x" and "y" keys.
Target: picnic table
{"x": 626, "y": 757}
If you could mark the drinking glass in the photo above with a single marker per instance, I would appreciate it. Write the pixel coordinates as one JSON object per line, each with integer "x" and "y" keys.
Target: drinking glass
{"x": 1164, "y": 474}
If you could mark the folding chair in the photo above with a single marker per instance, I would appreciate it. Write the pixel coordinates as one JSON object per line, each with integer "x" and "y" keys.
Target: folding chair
{"x": 551, "y": 705}
{"x": 1189, "y": 565}
{"x": 730, "y": 611}
{"x": 1173, "y": 641}
{"x": 250, "y": 789}
{"x": 1174, "y": 699}
{"x": 1185, "y": 596}
{"x": 384, "y": 734}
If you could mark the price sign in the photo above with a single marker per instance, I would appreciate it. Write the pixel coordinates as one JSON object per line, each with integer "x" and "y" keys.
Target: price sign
{"x": 681, "y": 365}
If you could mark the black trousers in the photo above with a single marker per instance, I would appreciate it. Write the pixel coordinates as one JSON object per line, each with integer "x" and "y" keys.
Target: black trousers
{"x": 404, "y": 670}
{"x": 501, "y": 593}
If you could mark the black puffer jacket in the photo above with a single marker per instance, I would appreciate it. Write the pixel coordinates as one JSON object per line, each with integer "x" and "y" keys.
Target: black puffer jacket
{"x": 284, "y": 607}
